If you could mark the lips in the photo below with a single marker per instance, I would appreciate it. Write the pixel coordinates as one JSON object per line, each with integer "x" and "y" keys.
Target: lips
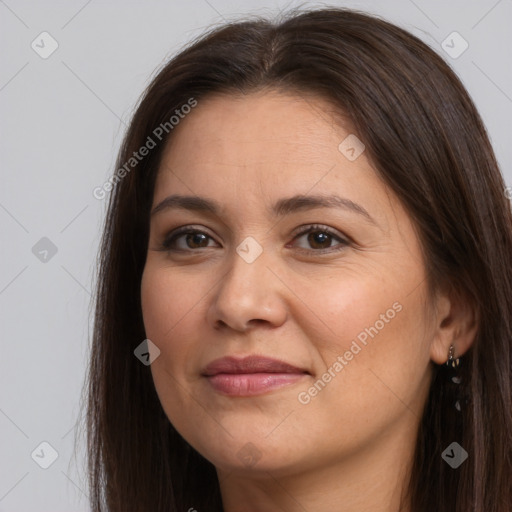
{"x": 252, "y": 375}
{"x": 249, "y": 364}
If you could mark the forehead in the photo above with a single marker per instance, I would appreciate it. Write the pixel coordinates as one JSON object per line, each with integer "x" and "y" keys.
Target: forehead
{"x": 267, "y": 144}
{"x": 271, "y": 133}
{"x": 262, "y": 119}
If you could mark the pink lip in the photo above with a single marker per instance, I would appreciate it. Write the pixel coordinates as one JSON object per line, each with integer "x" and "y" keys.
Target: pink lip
{"x": 252, "y": 375}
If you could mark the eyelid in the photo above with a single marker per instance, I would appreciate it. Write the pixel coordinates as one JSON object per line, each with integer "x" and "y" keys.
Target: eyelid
{"x": 306, "y": 228}
{"x": 183, "y": 230}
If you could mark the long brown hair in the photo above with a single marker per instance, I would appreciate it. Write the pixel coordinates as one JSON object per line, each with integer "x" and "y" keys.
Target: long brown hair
{"x": 427, "y": 141}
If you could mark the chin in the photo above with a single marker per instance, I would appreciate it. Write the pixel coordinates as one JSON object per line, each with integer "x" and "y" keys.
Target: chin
{"x": 249, "y": 457}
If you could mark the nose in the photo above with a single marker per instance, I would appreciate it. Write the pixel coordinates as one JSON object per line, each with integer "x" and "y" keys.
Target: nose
{"x": 248, "y": 295}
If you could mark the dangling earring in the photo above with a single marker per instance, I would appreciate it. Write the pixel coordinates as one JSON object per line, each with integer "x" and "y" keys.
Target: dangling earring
{"x": 454, "y": 363}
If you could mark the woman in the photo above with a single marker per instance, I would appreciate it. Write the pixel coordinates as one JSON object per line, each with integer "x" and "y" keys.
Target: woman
{"x": 304, "y": 295}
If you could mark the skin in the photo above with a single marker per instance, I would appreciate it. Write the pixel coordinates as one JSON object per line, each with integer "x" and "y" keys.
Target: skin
{"x": 353, "y": 442}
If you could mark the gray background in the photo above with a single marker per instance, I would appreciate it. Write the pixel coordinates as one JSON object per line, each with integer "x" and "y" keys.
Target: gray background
{"x": 62, "y": 119}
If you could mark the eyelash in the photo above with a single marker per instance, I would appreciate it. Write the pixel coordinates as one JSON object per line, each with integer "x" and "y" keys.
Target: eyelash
{"x": 186, "y": 230}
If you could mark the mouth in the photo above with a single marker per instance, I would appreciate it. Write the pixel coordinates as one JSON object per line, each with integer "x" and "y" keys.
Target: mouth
{"x": 251, "y": 375}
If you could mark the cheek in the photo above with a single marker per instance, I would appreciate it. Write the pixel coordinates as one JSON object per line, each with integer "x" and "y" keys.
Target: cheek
{"x": 170, "y": 309}
{"x": 380, "y": 360}
{"x": 169, "y": 302}
{"x": 339, "y": 312}
{"x": 379, "y": 327}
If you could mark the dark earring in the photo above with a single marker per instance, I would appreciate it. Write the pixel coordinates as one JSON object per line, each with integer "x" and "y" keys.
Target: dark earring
{"x": 454, "y": 363}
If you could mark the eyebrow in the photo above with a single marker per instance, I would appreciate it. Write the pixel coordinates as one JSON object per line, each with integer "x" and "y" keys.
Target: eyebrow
{"x": 282, "y": 207}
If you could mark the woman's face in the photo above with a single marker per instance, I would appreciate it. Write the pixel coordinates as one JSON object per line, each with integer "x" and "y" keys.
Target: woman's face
{"x": 343, "y": 309}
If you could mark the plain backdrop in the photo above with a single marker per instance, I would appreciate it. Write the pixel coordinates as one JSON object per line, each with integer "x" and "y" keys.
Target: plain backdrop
{"x": 62, "y": 119}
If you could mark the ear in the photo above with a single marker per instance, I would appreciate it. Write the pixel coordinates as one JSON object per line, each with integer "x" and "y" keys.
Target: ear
{"x": 456, "y": 323}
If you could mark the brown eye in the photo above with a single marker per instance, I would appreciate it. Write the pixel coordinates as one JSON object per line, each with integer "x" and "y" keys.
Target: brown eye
{"x": 194, "y": 240}
{"x": 186, "y": 239}
{"x": 321, "y": 239}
